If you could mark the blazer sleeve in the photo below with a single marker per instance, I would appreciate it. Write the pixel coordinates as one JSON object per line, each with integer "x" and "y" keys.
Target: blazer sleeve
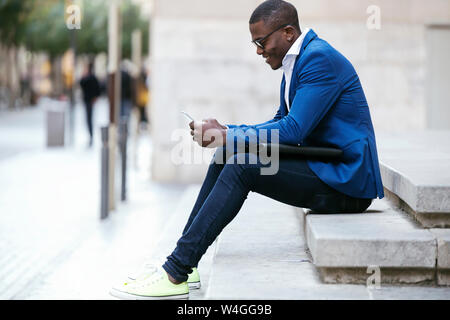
{"x": 317, "y": 90}
{"x": 277, "y": 117}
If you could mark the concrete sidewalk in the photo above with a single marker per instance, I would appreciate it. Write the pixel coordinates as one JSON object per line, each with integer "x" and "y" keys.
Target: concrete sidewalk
{"x": 52, "y": 242}
{"x": 54, "y": 246}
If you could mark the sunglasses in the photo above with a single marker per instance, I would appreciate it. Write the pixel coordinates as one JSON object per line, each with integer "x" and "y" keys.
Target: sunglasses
{"x": 259, "y": 42}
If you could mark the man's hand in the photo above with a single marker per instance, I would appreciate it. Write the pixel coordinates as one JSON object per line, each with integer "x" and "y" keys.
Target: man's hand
{"x": 208, "y": 133}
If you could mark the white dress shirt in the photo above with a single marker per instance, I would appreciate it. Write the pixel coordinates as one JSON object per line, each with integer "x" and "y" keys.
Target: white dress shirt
{"x": 288, "y": 63}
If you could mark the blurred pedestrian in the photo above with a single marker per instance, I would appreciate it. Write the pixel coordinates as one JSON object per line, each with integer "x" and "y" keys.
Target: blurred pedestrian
{"x": 91, "y": 91}
{"x": 126, "y": 102}
{"x": 142, "y": 99}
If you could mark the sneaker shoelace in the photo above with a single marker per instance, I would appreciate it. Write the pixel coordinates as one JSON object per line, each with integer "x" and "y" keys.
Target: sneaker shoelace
{"x": 146, "y": 270}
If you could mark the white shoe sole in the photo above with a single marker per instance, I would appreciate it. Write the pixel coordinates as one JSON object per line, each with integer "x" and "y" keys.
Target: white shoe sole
{"x": 194, "y": 285}
{"x": 129, "y": 296}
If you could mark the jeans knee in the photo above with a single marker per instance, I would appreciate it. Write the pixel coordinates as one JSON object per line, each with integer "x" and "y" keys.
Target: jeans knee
{"x": 242, "y": 168}
{"x": 219, "y": 156}
{"x": 244, "y": 160}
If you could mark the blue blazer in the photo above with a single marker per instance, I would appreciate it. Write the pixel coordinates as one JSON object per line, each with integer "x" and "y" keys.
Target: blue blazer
{"x": 329, "y": 109}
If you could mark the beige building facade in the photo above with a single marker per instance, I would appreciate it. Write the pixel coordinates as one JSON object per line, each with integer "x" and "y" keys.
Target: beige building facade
{"x": 202, "y": 62}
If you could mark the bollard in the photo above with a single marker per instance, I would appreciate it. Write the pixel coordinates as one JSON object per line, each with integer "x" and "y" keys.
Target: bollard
{"x": 104, "y": 201}
{"x": 123, "y": 137}
{"x": 55, "y": 125}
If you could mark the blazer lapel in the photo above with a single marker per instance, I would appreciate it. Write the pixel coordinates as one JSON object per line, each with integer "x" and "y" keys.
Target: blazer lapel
{"x": 282, "y": 100}
{"x": 311, "y": 35}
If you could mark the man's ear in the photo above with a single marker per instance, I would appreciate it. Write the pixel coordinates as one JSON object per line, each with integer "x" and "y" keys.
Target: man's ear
{"x": 290, "y": 33}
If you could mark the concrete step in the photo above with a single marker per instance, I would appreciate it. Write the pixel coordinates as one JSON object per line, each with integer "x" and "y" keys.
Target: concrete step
{"x": 259, "y": 254}
{"x": 263, "y": 254}
{"x": 415, "y": 168}
{"x": 443, "y": 255}
{"x": 344, "y": 246}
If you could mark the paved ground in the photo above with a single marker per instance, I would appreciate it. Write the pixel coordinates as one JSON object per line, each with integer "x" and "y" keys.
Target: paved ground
{"x": 52, "y": 242}
{"x": 54, "y": 246}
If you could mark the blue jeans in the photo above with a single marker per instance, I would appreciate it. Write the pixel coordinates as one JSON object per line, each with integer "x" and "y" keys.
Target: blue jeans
{"x": 225, "y": 189}
{"x": 89, "y": 110}
{"x": 125, "y": 109}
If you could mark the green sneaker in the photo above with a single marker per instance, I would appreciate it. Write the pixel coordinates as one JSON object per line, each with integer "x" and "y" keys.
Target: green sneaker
{"x": 153, "y": 287}
{"x": 150, "y": 268}
{"x": 145, "y": 270}
{"x": 193, "y": 280}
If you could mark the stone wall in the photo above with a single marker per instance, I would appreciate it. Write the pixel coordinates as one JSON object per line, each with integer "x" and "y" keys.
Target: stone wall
{"x": 202, "y": 62}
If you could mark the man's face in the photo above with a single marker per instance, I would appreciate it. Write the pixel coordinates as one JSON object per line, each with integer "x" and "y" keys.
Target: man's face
{"x": 275, "y": 46}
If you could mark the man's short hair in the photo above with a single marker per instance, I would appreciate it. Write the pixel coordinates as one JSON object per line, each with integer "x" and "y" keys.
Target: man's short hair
{"x": 275, "y": 13}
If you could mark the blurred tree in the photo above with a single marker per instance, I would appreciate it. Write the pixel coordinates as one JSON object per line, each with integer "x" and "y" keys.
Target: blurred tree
{"x": 45, "y": 29}
{"x": 13, "y": 23}
{"x": 40, "y": 26}
{"x": 93, "y": 36}
{"x": 13, "y": 20}
{"x": 132, "y": 20}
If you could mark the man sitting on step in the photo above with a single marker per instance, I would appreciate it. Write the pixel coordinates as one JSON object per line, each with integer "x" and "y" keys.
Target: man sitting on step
{"x": 322, "y": 103}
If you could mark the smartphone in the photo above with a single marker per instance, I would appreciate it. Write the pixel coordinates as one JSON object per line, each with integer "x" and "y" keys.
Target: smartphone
{"x": 187, "y": 116}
